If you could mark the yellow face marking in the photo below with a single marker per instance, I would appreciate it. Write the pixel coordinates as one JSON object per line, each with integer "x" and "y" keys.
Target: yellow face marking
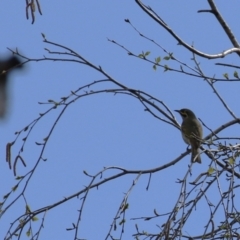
{"x": 183, "y": 113}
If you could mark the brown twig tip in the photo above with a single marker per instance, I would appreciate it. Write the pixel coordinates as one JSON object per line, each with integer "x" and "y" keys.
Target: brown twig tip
{"x": 15, "y": 163}
{"x": 206, "y": 10}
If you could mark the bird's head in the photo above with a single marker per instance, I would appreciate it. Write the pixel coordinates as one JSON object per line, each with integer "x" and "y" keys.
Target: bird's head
{"x": 185, "y": 113}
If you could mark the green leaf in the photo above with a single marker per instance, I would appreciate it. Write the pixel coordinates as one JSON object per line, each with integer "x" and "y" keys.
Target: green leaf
{"x": 231, "y": 160}
{"x": 224, "y": 226}
{"x": 34, "y": 219}
{"x": 154, "y": 67}
{"x": 226, "y": 75}
{"x": 166, "y": 58}
{"x": 211, "y": 170}
{"x": 237, "y": 154}
{"x": 141, "y": 55}
{"x": 236, "y": 74}
{"x": 147, "y": 53}
{"x": 166, "y": 68}
{"x": 28, "y": 232}
{"x": 157, "y": 60}
{"x": 28, "y": 210}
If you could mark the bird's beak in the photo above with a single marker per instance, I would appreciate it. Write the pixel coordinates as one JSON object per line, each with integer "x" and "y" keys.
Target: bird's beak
{"x": 177, "y": 111}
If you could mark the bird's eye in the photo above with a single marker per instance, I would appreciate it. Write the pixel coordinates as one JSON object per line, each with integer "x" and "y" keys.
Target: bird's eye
{"x": 184, "y": 114}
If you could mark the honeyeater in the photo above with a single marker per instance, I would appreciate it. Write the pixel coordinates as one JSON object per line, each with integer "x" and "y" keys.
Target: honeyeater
{"x": 191, "y": 130}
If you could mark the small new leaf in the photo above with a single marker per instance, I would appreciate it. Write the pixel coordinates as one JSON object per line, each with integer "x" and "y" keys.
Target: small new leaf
{"x": 123, "y": 221}
{"x": 166, "y": 68}
{"x": 155, "y": 67}
{"x": 236, "y": 75}
{"x": 224, "y": 226}
{"x": 28, "y": 232}
{"x": 147, "y": 53}
{"x": 157, "y": 60}
{"x": 6, "y": 196}
{"x": 28, "y": 210}
{"x": 211, "y": 170}
{"x": 231, "y": 160}
{"x": 34, "y": 219}
{"x": 15, "y": 188}
{"x": 237, "y": 154}
{"x": 226, "y": 75}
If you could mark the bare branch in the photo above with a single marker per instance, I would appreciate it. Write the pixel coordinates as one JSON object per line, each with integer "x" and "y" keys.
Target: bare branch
{"x": 224, "y": 25}
{"x": 180, "y": 41}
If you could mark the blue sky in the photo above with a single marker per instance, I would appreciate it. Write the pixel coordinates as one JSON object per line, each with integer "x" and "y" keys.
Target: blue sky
{"x": 109, "y": 130}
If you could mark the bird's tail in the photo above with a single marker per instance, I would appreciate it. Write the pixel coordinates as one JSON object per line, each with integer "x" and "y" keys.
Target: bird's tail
{"x": 196, "y": 156}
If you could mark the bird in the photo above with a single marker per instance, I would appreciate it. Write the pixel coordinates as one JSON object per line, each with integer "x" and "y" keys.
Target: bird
{"x": 192, "y": 132}
{"x": 6, "y": 66}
